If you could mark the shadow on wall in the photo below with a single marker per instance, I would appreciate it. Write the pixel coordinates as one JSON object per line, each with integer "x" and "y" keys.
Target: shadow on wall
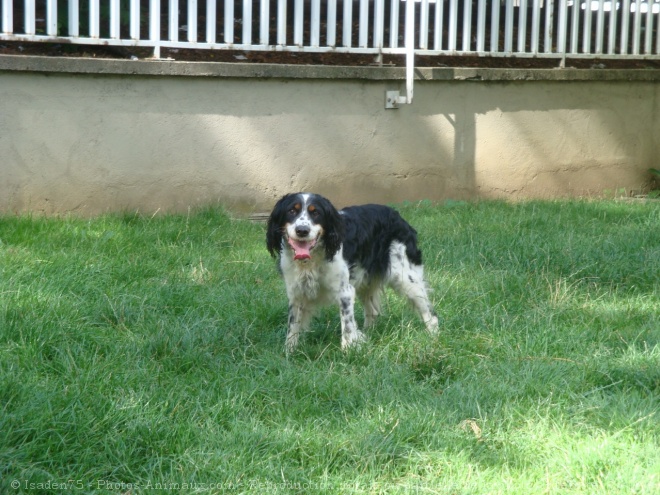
{"x": 553, "y": 138}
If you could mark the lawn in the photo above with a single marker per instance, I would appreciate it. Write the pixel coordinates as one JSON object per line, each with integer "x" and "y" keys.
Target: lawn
{"x": 146, "y": 354}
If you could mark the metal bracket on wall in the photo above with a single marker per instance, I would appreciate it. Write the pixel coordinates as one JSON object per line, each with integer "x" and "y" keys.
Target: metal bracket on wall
{"x": 393, "y": 99}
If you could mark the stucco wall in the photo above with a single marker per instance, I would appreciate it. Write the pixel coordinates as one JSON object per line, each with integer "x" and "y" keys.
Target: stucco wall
{"x": 90, "y": 136}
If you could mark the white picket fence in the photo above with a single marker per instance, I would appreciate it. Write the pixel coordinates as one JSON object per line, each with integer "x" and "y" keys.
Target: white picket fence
{"x": 504, "y": 28}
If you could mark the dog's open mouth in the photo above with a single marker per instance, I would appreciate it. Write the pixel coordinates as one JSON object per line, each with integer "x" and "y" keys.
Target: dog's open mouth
{"x": 301, "y": 249}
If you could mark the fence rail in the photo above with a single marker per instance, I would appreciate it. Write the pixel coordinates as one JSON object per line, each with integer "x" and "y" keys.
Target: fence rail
{"x": 505, "y": 28}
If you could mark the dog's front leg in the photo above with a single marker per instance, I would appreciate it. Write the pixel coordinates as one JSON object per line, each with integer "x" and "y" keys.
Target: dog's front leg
{"x": 350, "y": 335}
{"x": 298, "y": 322}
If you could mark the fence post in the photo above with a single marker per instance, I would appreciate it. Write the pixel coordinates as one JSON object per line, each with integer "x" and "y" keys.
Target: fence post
{"x": 410, "y": 49}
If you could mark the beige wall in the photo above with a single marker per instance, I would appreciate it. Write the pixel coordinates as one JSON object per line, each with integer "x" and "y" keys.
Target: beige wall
{"x": 77, "y": 140}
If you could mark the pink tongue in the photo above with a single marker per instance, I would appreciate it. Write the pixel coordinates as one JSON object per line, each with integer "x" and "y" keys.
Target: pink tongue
{"x": 301, "y": 249}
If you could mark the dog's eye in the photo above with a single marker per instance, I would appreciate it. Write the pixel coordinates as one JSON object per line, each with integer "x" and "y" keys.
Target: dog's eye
{"x": 314, "y": 213}
{"x": 295, "y": 209}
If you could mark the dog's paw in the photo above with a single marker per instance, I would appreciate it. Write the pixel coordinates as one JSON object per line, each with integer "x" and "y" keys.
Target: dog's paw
{"x": 291, "y": 343}
{"x": 352, "y": 340}
{"x": 432, "y": 325}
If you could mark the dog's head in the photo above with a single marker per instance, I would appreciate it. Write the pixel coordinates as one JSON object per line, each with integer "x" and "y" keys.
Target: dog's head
{"x": 303, "y": 222}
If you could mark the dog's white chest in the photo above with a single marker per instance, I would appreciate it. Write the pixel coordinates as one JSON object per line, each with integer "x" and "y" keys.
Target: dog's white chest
{"x": 307, "y": 284}
{"x": 311, "y": 281}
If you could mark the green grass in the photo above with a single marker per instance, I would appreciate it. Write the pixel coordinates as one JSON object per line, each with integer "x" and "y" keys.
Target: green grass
{"x": 146, "y": 355}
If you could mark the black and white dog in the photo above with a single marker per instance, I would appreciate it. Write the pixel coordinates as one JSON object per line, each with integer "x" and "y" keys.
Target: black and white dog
{"x": 327, "y": 256}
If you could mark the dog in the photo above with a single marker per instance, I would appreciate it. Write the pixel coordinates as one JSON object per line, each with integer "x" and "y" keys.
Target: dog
{"x": 328, "y": 257}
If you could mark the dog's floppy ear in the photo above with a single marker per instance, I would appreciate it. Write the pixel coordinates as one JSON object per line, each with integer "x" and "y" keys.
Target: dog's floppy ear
{"x": 275, "y": 226}
{"x": 334, "y": 229}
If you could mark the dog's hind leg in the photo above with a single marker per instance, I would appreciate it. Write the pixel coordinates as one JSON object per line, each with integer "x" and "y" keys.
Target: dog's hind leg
{"x": 370, "y": 299}
{"x": 350, "y": 334}
{"x": 407, "y": 279}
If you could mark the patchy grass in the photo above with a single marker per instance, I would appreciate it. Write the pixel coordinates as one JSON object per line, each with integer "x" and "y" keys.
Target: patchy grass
{"x": 146, "y": 355}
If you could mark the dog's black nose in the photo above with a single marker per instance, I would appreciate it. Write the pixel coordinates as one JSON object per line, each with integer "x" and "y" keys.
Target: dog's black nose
{"x": 302, "y": 231}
